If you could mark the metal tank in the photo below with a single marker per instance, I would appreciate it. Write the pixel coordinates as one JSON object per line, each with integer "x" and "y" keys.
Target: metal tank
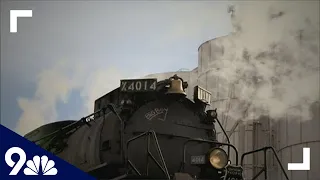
{"x": 294, "y": 133}
{"x": 287, "y": 135}
{"x": 90, "y": 148}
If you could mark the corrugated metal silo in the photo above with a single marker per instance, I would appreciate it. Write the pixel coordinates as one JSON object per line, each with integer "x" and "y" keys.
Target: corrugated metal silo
{"x": 294, "y": 133}
{"x": 224, "y": 96}
{"x": 287, "y": 135}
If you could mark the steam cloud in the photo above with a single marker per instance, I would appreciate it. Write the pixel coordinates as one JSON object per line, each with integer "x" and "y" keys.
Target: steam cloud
{"x": 273, "y": 60}
{"x": 55, "y": 84}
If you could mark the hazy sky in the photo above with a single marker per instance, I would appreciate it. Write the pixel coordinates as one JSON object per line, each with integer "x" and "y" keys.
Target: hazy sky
{"x": 70, "y": 53}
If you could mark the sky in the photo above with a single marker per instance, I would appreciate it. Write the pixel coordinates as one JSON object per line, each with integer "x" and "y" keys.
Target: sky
{"x": 71, "y": 53}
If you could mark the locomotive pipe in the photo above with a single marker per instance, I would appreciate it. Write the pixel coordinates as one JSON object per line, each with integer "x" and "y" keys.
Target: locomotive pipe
{"x": 113, "y": 109}
{"x": 224, "y": 132}
{"x": 214, "y": 115}
{"x": 68, "y": 126}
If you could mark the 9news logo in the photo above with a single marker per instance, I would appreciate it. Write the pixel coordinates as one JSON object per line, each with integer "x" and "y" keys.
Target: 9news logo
{"x": 33, "y": 166}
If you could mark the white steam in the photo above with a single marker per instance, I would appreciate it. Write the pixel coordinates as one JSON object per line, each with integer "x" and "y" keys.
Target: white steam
{"x": 272, "y": 58}
{"x": 55, "y": 84}
{"x": 98, "y": 83}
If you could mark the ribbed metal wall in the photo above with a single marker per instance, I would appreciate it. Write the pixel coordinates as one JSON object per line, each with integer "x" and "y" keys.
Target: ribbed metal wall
{"x": 287, "y": 135}
{"x": 223, "y": 98}
{"x": 293, "y": 134}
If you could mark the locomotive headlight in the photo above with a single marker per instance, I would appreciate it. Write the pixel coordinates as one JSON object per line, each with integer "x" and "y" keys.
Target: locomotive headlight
{"x": 218, "y": 158}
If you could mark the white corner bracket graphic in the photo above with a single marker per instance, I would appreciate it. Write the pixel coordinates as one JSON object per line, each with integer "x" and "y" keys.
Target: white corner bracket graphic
{"x": 14, "y": 14}
{"x": 305, "y": 165}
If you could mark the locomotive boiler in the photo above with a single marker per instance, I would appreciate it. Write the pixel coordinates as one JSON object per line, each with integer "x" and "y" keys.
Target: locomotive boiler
{"x": 145, "y": 129}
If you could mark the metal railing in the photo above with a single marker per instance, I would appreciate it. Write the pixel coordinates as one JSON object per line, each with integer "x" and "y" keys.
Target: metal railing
{"x": 71, "y": 128}
{"x": 264, "y": 169}
{"x": 149, "y": 134}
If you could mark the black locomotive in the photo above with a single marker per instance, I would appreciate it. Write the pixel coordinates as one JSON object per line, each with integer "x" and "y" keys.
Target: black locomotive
{"x": 144, "y": 130}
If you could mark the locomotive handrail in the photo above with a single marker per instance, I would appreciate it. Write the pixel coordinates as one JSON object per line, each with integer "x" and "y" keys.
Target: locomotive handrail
{"x": 205, "y": 141}
{"x": 215, "y": 117}
{"x": 148, "y": 134}
{"x": 224, "y": 132}
{"x": 113, "y": 109}
{"x": 83, "y": 121}
{"x": 264, "y": 169}
{"x": 80, "y": 122}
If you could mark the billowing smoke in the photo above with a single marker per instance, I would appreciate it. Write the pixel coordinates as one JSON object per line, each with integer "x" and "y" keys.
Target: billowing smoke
{"x": 55, "y": 85}
{"x": 98, "y": 83}
{"x": 272, "y": 57}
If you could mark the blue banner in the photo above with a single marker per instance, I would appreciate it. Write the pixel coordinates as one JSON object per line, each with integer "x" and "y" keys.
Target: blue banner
{"x": 22, "y": 159}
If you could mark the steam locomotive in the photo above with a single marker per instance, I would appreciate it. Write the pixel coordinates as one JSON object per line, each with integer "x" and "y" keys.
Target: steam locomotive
{"x": 145, "y": 130}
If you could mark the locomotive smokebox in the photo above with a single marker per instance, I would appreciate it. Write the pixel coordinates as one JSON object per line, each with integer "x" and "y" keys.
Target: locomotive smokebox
{"x": 176, "y": 86}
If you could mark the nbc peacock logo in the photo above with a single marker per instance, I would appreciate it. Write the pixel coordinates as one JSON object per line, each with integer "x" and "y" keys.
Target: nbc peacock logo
{"x": 47, "y": 166}
{"x": 36, "y": 166}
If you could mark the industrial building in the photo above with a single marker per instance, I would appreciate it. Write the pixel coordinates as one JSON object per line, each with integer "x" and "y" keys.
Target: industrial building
{"x": 288, "y": 136}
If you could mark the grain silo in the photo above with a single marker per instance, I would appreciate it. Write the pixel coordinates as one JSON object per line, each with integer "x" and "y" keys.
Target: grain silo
{"x": 287, "y": 135}
{"x": 295, "y": 133}
{"x": 223, "y": 97}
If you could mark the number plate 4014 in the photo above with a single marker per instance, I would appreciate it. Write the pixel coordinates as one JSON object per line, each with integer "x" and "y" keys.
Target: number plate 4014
{"x": 138, "y": 85}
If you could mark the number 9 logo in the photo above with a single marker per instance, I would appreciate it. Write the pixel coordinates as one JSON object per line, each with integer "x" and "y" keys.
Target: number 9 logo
{"x": 16, "y": 166}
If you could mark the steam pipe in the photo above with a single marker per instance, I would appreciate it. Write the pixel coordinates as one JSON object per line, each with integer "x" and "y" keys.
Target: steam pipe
{"x": 224, "y": 132}
{"x": 113, "y": 109}
{"x": 82, "y": 120}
